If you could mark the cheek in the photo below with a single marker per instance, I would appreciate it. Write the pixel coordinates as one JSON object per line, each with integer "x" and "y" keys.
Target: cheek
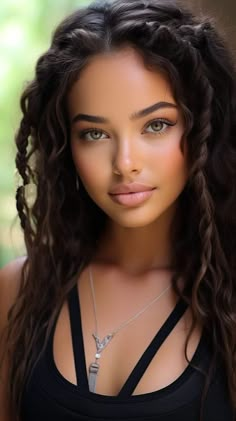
{"x": 90, "y": 166}
{"x": 173, "y": 166}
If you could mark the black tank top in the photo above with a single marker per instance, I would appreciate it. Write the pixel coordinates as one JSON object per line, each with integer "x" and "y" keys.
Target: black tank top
{"x": 49, "y": 396}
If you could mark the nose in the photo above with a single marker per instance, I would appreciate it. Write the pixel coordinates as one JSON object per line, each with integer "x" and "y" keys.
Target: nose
{"x": 126, "y": 158}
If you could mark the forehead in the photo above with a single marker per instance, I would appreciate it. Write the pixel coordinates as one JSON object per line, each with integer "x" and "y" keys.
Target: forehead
{"x": 118, "y": 80}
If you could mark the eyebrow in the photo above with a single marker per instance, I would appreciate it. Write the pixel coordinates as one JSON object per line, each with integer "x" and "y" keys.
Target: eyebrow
{"x": 134, "y": 116}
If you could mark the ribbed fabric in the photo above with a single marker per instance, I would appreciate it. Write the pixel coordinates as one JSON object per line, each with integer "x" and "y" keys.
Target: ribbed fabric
{"x": 50, "y": 396}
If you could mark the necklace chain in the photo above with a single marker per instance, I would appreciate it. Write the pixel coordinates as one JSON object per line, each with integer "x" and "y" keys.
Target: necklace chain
{"x": 131, "y": 319}
{"x": 101, "y": 344}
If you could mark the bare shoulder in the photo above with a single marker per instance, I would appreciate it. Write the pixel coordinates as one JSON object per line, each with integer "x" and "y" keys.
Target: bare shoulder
{"x": 12, "y": 268}
{"x": 10, "y": 276}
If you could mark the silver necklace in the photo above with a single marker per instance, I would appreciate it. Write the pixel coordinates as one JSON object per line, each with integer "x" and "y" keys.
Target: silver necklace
{"x": 101, "y": 344}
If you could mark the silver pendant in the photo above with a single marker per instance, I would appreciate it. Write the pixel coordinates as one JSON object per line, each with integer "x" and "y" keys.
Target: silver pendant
{"x": 100, "y": 345}
{"x": 94, "y": 367}
{"x": 93, "y": 371}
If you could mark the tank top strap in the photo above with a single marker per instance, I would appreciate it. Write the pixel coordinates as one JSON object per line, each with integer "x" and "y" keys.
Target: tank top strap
{"x": 152, "y": 349}
{"x": 77, "y": 339}
{"x": 144, "y": 361}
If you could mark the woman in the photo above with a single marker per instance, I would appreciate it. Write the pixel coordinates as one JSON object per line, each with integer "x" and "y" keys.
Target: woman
{"x": 125, "y": 304}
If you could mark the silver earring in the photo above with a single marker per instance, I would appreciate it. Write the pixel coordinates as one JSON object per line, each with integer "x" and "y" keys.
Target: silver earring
{"x": 77, "y": 182}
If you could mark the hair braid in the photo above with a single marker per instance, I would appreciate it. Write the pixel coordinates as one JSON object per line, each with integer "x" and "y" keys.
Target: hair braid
{"x": 209, "y": 290}
{"x": 21, "y": 156}
{"x": 21, "y": 165}
{"x": 25, "y": 149}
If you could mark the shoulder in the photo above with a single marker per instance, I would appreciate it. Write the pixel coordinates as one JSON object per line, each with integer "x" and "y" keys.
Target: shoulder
{"x": 10, "y": 277}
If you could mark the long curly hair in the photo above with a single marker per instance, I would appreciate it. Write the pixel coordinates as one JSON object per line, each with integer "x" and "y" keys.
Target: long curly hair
{"x": 62, "y": 227}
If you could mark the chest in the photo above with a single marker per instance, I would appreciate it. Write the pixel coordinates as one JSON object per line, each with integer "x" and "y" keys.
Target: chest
{"x": 119, "y": 358}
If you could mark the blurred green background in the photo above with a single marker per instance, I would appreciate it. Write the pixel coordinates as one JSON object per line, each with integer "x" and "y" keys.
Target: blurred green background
{"x": 25, "y": 28}
{"x": 25, "y": 31}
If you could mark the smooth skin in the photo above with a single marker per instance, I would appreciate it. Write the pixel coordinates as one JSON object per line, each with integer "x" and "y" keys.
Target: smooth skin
{"x": 132, "y": 262}
{"x": 144, "y": 150}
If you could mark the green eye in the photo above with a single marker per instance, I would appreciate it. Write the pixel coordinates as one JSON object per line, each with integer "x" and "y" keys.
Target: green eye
{"x": 159, "y": 126}
{"x": 95, "y": 135}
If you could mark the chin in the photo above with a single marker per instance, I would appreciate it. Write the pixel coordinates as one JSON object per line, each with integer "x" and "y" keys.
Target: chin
{"x": 134, "y": 221}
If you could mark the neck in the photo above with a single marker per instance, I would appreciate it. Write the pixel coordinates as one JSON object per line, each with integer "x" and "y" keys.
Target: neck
{"x": 138, "y": 250}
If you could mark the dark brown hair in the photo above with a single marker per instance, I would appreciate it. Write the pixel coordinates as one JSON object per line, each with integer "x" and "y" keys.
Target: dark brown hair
{"x": 63, "y": 226}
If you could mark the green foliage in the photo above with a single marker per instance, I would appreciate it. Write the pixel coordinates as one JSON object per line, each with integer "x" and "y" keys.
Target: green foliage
{"x": 26, "y": 28}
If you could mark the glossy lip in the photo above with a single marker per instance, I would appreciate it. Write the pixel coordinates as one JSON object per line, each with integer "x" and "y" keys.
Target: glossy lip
{"x": 130, "y": 188}
{"x": 132, "y": 198}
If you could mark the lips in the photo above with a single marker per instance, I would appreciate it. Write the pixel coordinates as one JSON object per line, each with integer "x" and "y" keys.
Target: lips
{"x": 130, "y": 195}
{"x": 130, "y": 188}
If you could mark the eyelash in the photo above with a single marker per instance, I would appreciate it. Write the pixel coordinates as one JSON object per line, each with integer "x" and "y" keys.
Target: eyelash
{"x": 168, "y": 124}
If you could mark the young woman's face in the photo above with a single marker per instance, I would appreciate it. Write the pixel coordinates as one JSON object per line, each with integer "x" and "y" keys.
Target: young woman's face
{"x": 129, "y": 161}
